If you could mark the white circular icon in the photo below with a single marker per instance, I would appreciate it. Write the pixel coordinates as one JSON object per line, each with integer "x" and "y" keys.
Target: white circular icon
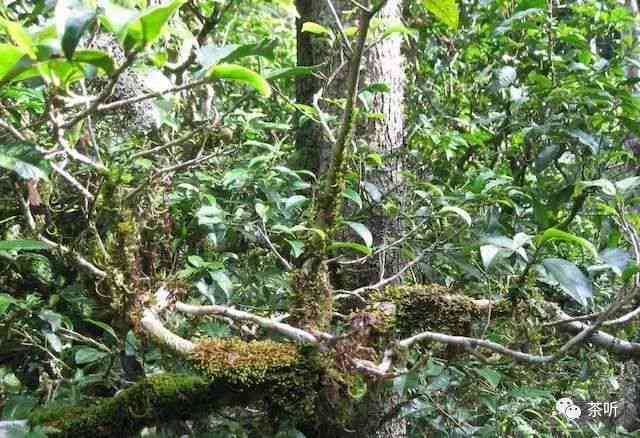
{"x": 563, "y": 404}
{"x": 573, "y": 412}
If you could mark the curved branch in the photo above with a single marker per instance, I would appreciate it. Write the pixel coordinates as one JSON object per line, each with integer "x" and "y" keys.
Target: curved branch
{"x": 286, "y": 330}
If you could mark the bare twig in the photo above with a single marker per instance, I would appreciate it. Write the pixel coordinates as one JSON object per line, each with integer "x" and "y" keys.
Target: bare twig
{"x": 265, "y": 236}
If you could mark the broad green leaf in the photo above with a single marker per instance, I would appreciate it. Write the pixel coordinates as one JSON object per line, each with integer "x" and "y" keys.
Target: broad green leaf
{"x": 106, "y": 327}
{"x": 492, "y": 376}
{"x": 488, "y": 253}
{"x": 240, "y": 74}
{"x": 146, "y": 28}
{"x": 211, "y": 54}
{"x": 6, "y": 300}
{"x": 295, "y": 201}
{"x": 115, "y": 18}
{"x": 362, "y": 231}
{"x": 316, "y": 28}
{"x": 444, "y": 10}
{"x": 97, "y": 58}
{"x": 19, "y": 36}
{"x": 352, "y": 246}
{"x": 85, "y": 355}
{"x": 10, "y": 56}
{"x": 223, "y": 282}
{"x": 353, "y": 196}
{"x": 586, "y": 139}
{"x": 570, "y": 278}
{"x": 22, "y": 245}
{"x": 297, "y": 247}
{"x": 616, "y": 259}
{"x": 555, "y": 234}
{"x": 75, "y": 26}
{"x": 457, "y": 210}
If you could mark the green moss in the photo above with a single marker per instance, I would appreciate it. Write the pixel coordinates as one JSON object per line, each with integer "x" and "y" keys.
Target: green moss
{"x": 311, "y": 300}
{"x": 145, "y": 403}
{"x": 429, "y": 307}
{"x": 243, "y": 362}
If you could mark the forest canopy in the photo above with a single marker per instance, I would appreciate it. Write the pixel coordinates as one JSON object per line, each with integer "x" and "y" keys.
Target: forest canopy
{"x": 319, "y": 218}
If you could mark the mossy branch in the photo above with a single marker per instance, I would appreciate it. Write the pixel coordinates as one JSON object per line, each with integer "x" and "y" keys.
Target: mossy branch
{"x": 235, "y": 373}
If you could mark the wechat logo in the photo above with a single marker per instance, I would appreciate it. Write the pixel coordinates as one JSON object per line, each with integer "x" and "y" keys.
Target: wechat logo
{"x": 565, "y": 407}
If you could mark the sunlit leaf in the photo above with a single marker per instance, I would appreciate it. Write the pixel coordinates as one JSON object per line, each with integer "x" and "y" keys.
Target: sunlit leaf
{"x": 316, "y": 28}
{"x": 362, "y": 231}
{"x": 146, "y": 28}
{"x": 22, "y": 245}
{"x": 352, "y": 246}
{"x": 555, "y": 234}
{"x": 240, "y": 74}
{"x": 444, "y": 10}
{"x": 458, "y": 211}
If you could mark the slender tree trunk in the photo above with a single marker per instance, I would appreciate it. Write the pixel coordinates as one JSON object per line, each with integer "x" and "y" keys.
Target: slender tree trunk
{"x": 383, "y": 63}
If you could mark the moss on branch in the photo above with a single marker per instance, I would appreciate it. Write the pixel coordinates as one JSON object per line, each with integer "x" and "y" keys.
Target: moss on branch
{"x": 285, "y": 376}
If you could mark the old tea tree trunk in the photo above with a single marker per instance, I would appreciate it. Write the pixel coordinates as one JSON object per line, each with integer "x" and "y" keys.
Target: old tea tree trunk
{"x": 377, "y": 131}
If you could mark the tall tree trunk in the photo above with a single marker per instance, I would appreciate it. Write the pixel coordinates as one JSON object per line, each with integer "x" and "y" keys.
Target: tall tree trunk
{"x": 383, "y": 63}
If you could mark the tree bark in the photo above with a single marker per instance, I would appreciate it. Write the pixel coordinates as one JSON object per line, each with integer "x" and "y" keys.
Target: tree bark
{"x": 383, "y": 63}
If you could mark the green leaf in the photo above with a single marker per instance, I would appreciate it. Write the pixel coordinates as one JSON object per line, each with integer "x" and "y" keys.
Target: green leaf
{"x": 22, "y": 245}
{"x": 627, "y": 185}
{"x": 457, "y": 210}
{"x": 10, "y": 56}
{"x": 570, "y": 278}
{"x": 115, "y": 18}
{"x": 106, "y": 327}
{"x": 19, "y": 36}
{"x": 223, "y": 281}
{"x": 262, "y": 211}
{"x": 146, "y": 28}
{"x": 555, "y": 234}
{"x": 295, "y": 201}
{"x": 444, "y": 10}
{"x": 297, "y": 247}
{"x": 212, "y": 54}
{"x": 85, "y": 355}
{"x": 316, "y": 29}
{"x": 240, "y": 74}
{"x": 492, "y": 376}
{"x": 352, "y": 246}
{"x": 75, "y": 26}
{"x": 353, "y": 196}
{"x": 6, "y": 300}
{"x": 97, "y": 58}
{"x": 24, "y": 160}
{"x": 362, "y": 231}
